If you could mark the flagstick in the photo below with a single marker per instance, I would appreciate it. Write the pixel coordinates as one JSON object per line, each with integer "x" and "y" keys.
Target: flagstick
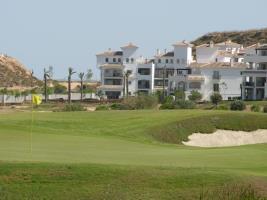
{"x": 31, "y": 128}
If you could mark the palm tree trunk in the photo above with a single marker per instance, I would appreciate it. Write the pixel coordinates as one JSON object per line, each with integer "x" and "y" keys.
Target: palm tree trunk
{"x": 127, "y": 87}
{"x": 69, "y": 90}
{"x": 45, "y": 88}
{"x": 81, "y": 91}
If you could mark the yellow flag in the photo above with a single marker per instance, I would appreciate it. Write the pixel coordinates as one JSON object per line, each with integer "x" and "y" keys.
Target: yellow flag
{"x": 36, "y": 99}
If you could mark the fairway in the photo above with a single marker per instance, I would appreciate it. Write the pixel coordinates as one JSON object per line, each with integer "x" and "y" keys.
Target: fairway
{"x": 119, "y": 142}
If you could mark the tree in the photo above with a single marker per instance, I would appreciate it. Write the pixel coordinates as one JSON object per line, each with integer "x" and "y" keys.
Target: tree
{"x": 71, "y": 72}
{"x": 89, "y": 74}
{"x": 179, "y": 94}
{"x": 126, "y": 81}
{"x": 195, "y": 96}
{"x": 59, "y": 89}
{"x": 216, "y": 98}
{"x": 100, "y": 94}
{"x": 81, "y": 77}
{"x": 46, "y": 77}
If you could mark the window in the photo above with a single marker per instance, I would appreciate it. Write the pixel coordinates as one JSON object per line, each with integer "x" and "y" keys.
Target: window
{"x": 178, "y": 61}
{"x": 216, "y": 75}
{"x": 179, "y": 71}
{"x": 236, "y": 59}
{"x": 159, "y": 60}
{"x": 144, "y": 71}
{"x": 171, "y": 61}
{"x": 119, "y": 60}
{"x": 132, "y": 60}
{"x": 114, "y": 60}
{"x": 107, "y": 60}
{"x": 143, "y": 84}
{"x": 166, "y": 61}
{"x": 127, "y": 60}
{"x": 216, "y": 87}
{"x": 195, "y": 85}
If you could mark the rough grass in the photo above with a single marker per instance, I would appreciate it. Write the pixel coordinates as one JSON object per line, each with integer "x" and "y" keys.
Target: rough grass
{"x": 51, "y": 181}
{"x": 176, "y": 132}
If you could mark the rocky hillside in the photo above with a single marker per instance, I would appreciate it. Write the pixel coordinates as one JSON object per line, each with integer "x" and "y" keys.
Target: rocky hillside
{"x": 246, "y": 38}
{"x": 14, "y": 74}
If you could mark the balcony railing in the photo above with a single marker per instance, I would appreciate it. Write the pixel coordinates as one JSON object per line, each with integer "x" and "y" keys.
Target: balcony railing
{"x": 248, "y": 84}
{"x": 113, "y": 75}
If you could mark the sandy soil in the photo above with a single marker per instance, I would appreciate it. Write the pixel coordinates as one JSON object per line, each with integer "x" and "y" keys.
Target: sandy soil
{"x": 224, "y": 138}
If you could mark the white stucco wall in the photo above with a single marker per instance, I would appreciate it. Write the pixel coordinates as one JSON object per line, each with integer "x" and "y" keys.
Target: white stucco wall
{"x": 231, "y": 77}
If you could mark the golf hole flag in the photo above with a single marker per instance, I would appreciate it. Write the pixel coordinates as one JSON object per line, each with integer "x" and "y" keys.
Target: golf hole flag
{"x": 36, "y": 99}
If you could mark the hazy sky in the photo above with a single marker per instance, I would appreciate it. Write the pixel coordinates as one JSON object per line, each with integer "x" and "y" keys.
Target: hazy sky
{"x": 65, "y": 33}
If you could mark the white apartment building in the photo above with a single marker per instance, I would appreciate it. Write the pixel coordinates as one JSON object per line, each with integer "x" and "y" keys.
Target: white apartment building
{"x": 216, "y": 68}
{"x": 254, "y": 77}
{"x": 114, "y": 65}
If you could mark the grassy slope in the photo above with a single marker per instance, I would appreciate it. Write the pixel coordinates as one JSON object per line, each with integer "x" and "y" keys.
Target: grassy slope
{"x": 128, "y": 163}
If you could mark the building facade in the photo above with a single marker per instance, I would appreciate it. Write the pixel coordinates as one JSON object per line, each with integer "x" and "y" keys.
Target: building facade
{"x": 228, "y": 68}
{"x": 254, "y": 77}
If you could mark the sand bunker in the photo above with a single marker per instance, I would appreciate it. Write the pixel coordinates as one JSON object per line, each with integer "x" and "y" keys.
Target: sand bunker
{"x": 224, "y": 138}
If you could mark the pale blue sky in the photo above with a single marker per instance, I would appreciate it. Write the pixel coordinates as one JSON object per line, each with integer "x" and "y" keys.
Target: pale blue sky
{"x": 65, "y": 33}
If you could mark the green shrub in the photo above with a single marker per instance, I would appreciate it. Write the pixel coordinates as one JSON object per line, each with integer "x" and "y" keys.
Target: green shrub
{"x": 185, "y": 104}
{"x": 141, "y": 102}
{"x": 265, "y": 109}
{"x": 73, "y": 107}
{"x": 179, "y": 95}
{"x": 255, "y": 108}
{"x": 237, "y": 105}
{"x": 216, "y": 98}
{"x": 195, "y": 96}
{"x": 120, "y": 106}
{"x": 222, "y": 107}
{"x": 102, "y": 107}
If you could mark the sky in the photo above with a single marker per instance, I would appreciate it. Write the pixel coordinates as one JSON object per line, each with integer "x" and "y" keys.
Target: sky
{"x": 69, "y": 33}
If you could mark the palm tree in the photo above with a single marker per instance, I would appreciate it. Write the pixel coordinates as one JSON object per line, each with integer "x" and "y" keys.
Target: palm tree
{"x": 46, "y": 76}
{"x": 81, "y": 77}
{"x": 126, "y": 81}
{"x": 71, "y": 72}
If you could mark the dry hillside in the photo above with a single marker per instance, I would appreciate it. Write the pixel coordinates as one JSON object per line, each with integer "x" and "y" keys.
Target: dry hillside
{"x": 14, "y": 74}
{"x": 246, "y": 38}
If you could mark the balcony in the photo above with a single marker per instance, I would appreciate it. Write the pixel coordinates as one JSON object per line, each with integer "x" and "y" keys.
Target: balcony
{"x": 114, "y": 75}
{"x": 248, "y": 84}
{"x": 255, "y": 58}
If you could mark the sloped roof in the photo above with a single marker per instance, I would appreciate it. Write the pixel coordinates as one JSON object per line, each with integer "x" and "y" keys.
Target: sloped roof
{"x": 183, "y": 43}
{"x": 218, "y": 65}
{"x": 130, "y": 45}
{"x": 110, "y": 53}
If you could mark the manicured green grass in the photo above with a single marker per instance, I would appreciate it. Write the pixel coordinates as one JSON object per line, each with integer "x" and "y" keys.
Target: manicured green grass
{"x": 123, "y": 155}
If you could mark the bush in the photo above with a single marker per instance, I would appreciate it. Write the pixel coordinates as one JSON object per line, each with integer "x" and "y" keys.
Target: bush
{"x": 265, "y": 109}
{"x": 238, "y": 105}
{"x": 141, "y": 102}
{"x": 102, "y": 107}
{"x": 255, "y": 108}
{"x": 195, "y": 96}
{"x": 222, "y": 107}
{"x": 73, "y": 107}
{"x": 179, "y": 95}
{"x": 185, "y": 104}
{"x": 120, "y": 106}
{"x": 216, "y": 98}
{"x": 168, "y": 103}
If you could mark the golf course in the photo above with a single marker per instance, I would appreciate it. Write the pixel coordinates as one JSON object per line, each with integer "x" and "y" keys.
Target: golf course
{"x": 128, "y": 155}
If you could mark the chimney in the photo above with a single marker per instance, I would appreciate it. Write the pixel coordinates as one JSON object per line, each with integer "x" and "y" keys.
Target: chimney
{"x": 165, "y": 51}
{"x": 158, "y": 52}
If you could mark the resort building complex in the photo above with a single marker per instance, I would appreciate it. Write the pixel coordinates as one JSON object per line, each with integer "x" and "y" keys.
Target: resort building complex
{"x": 228, "y": 68}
